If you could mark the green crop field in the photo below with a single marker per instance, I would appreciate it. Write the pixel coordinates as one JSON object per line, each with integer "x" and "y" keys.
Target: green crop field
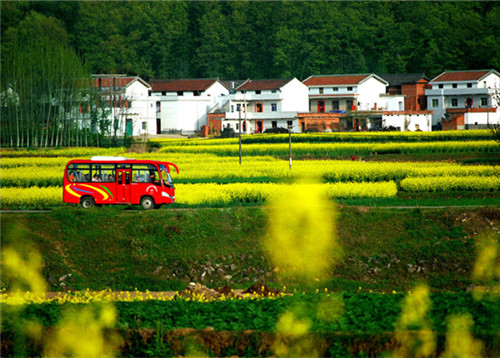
{"x": 393, "y": 254}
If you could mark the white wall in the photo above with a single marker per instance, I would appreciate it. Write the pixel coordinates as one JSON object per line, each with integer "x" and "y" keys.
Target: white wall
{"x": 393, "y": 102}
{"x": 188, "y": 113}
{"x": 143, "y": 109}
{"x": 482, "y": 118}
{"x": 424, "y": 121}
{"x": 295, "y": 96}
{"x": 369, "y": 93}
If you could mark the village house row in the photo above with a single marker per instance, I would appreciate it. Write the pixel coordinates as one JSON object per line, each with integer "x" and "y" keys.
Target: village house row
{"x": 353, "y": 102}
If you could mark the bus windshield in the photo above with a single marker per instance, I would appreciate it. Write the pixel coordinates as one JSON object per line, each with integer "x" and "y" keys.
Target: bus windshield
{"x": 165, "y": 175}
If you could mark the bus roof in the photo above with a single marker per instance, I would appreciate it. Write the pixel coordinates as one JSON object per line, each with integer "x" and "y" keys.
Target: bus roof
{"x": 124, "y": 160}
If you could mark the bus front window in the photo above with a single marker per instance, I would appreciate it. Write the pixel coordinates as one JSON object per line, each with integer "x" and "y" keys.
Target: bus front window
{"x": 165, "y": 176}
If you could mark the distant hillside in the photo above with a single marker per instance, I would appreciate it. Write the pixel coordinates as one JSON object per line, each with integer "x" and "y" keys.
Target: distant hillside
{"x": 237, "y": 40}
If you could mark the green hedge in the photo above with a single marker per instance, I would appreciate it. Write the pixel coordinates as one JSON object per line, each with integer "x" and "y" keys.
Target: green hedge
{"x": 370, "y": 313}
{"x": 368, "y": 318}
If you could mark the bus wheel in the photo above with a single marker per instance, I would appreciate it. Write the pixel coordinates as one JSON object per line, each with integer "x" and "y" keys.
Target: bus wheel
{"x": 87, "y": 202}
{"x": 147, "y": 202}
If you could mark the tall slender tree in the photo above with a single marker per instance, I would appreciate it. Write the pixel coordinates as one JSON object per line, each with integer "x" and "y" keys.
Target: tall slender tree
{"x": 39, "y": 72}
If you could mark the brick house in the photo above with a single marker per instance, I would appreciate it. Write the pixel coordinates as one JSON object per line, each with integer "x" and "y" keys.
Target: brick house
{"x": 412, "y": 86}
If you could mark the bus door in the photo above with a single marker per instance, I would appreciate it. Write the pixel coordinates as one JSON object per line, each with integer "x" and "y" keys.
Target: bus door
{"x": 123, "y": 185}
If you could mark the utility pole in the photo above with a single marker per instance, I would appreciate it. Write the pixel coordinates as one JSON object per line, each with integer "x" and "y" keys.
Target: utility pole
{"x": 290, "y": 126}
{"x": 239, "y": 126}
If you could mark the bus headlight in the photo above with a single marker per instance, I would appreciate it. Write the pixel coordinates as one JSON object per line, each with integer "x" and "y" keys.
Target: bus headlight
{"x": 166, "y": 195}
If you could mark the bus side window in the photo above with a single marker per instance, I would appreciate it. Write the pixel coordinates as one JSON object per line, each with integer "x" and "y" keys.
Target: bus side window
{"x": 127, "y": 178}
{"x": 108, "y": 173}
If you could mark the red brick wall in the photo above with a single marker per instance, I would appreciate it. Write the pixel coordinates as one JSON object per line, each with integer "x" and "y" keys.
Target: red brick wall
{"x": 319, "y": 121}
{"x": 214, "y": 122}
{"x": 455, "y": 121}
{"x": 415, "y": 93}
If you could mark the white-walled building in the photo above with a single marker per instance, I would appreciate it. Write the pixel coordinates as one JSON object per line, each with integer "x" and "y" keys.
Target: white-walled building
{"x": 407, "y": 120}
{"x": 132, "y": 109}
{"x": 356, "y": 102}
{"x": 264, "y": 104}
{"x": 464, "y": 99}
{"x": 184, "y": 103}
{"x": 345, "y": 92}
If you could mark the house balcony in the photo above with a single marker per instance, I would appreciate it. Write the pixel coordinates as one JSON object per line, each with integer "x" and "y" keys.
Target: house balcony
{"x": 260, "y": 115}
{"x": 457, "y": 92}
{"x": 278, "y": 96}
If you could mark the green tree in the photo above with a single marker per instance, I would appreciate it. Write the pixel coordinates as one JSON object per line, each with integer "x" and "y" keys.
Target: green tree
{"x": 39, "y": 77}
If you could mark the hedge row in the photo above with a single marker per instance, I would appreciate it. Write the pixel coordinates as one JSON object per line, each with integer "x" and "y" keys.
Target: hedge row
{"x": 342, "y": 137}
{"x": 363, "y": 316}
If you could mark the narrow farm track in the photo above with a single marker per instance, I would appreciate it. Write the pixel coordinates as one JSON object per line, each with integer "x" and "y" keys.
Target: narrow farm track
{"x": 361, "y": 207}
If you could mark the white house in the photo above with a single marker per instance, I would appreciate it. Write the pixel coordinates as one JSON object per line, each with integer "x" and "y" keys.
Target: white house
{"x": 356, "y": 102}
{"x": 464, "y": 99}
{"x": 184, "y": 103}
{"x": 263, "y": 104}
{"x": 132, "y": 110}
{"x": 345, "y": 92}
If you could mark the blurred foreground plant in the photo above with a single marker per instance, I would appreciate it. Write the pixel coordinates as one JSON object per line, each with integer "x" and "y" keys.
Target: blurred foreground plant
{"x": 301, "y": 240}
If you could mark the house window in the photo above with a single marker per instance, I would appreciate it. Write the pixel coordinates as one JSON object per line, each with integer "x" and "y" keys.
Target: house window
{"x": 454, "y": 85}
{"x": 164, "y": 93}
{"x": 349, "y": 104}
{"x": 180, "y": 93}
{"x": 273, "y": 91}
{"x": 274, "y": 107}
{"x": 258, "y": 107}
{"x": 289, "y": 124}
{"x": 232, "y": 108}
{"x": 196, "y": 93}
{"x": 441, "y": 85}
{"x": 435, "y": 102}
{"x": 258, "y": 92}
{"x": 321, "y": 106}
{"x": 335, "y": 105}
{"x": 274, "y": 124}
{"x": 349, "y": 88}
{"x": 321, "y": 90}
{"x": 454, "y": 102}
{"x": 484, "y": 101}
{"x": 469, "y": 85}
{"x": 144, "y": 125}
{"x": 238, "y": 107}
{"x": 335, "y": 89}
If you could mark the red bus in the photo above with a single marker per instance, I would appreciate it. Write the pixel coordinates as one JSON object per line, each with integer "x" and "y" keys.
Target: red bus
{"x": 118, "y": 180}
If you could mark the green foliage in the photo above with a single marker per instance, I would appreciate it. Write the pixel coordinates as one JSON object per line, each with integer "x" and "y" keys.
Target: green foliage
{"x": 278, "y": 39}
{"x": 368, "y": 317}
{"x": 165, "y": 250}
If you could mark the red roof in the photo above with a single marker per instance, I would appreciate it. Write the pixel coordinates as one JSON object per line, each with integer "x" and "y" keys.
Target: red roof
{"x": 335, "y": 80}
{"x": 166, "y": 85}
{"x": 460, "y": 76}
{"x": 252, "y": 85}
{"x": 113, "y": 81}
